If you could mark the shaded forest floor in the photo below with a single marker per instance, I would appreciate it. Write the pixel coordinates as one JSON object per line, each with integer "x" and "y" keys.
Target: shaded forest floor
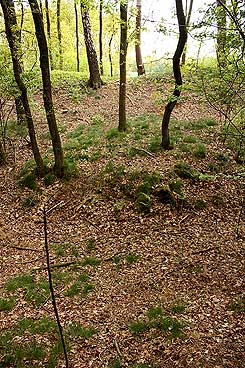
{"x": 147, "y": 246}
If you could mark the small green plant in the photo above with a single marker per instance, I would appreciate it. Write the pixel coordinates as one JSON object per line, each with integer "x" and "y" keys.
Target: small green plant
{"x": 187, "y": 148}
{"x": 138, "y": 327}
{"x": 200, "y": 204}
{"x": 199, "y": 151}
{"x": 115, "y": 363}
{"x": 49, "y": 179}
{"x": 170, "y": 326}
{"x": 178, "y": 308}
{"x": 30, "y": 201}
{"x": 77, "y": 132}
{"x": 186, "y": 171}
{"x": 143, "y": 191}
{"x": 7, "y": 304}
{"x": 91, "y": 261}
{"x": 190, "y": 139}
{"x": 238, "y": 305}
{"x": 113, "y": 133}
{"x": 90, "y": 245}
{"x": 131, "y": 258}
{"x": 154, "y": 313}
{"x": 88, "y": 288}
{"x": 76, "y": 330}
{"x": 36, "y": 291}
{"x": 78, "y": 286}
{"x": 155, "y": 145}
{"x": 19, "y": 352}
{"x": 222, "y": 158}
{"x": 29, "y": 181}
{"x": 70, "y": 169}
{"x": 176, "y": 186}
{"x": 217, "y": 200}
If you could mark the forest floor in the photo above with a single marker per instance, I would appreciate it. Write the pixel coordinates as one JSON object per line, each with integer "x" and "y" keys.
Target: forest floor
{"x": 147, "y": 246}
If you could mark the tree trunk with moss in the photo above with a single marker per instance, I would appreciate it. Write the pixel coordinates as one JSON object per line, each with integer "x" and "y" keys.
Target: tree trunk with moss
{"x": 177, "y": 74}
{"x": 139, "y": 62}
{"x": 122, "y": 60}
{"x": 94, "y": 81}
{"x": 13, "y": 37}
{"x": 47, "y": 91}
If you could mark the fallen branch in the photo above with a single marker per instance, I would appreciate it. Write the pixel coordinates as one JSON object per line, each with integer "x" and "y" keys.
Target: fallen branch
{"x": 117, "y": 348}
{"x": 55, "y": 265}
{"x": 143, "y": 150}
{"x": 203, "y": 250}
{"x": 51, "y": 286}
{"x": 20, "y": 248}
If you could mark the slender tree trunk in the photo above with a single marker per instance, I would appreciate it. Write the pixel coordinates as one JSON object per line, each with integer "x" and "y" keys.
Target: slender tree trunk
{"x": 139, "y": 62}
{"x": 100, "y": 36}
{"x": 49, "y": 34}
{"x": 221, "y": 35}
{"x": 20, "y": 111}
{"x": 122, "y": 59}
{"x": 110, "y": 43}
{"x": 94, "y": 81}
{"x": 77, "y": 36}
{"x": 110, "y": 57}
{"x": 177, "y": 74}
{"x": 12, "y": 33}
{"x": 59, "y": 36}
{"x": 188, "y": 20}
{"x": 47, "y": 92}
{"x": 2, "y": 154}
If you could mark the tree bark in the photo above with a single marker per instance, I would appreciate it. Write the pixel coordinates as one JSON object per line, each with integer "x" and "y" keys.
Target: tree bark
{"x": 59, "y": 36}
{"x": 109, "y": 48}
{"x": 47, "y": 91}
{"x": 49, "y": 34}
{"x": 2, "y": 154}
{"x": 100, "y": 36}
{"x": 122, "y": 60}
{"x": 139, "y": 62}
{"x": 13, "y": 37}
{"x": 221, "y": 34}
{"x": 77, "y": 36}
{"x": 177, "y": 74}
{"x": 188, "y": 20}
{"x": 94, "y": 81}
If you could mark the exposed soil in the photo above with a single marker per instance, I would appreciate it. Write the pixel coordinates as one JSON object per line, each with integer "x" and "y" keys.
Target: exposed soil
{"x": 171, "y": 255}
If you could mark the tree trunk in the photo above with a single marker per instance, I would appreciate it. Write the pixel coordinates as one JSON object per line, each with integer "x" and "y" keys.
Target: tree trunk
{"x": 188, "y": 19}
{"x": 59, "y": 36}
{"x": 47, "y": 92}
{"x": 49, "y": 34}
{"x": 12, "y": 33}
{"x": 109, "y": 51}
{"x": 221, "y": 34}
{"x": 2, "y": 155}
{"x": 139, "y": 62}
{"x": 94, "y": 81}
{"x": 77, "y": 36}
{"x": 177, "y": 74}
{"x": 20, "y": 111}
{"x": 109, "y": 48}
{"x": 123, "y": 57}
{"x": 100, "y": 37}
